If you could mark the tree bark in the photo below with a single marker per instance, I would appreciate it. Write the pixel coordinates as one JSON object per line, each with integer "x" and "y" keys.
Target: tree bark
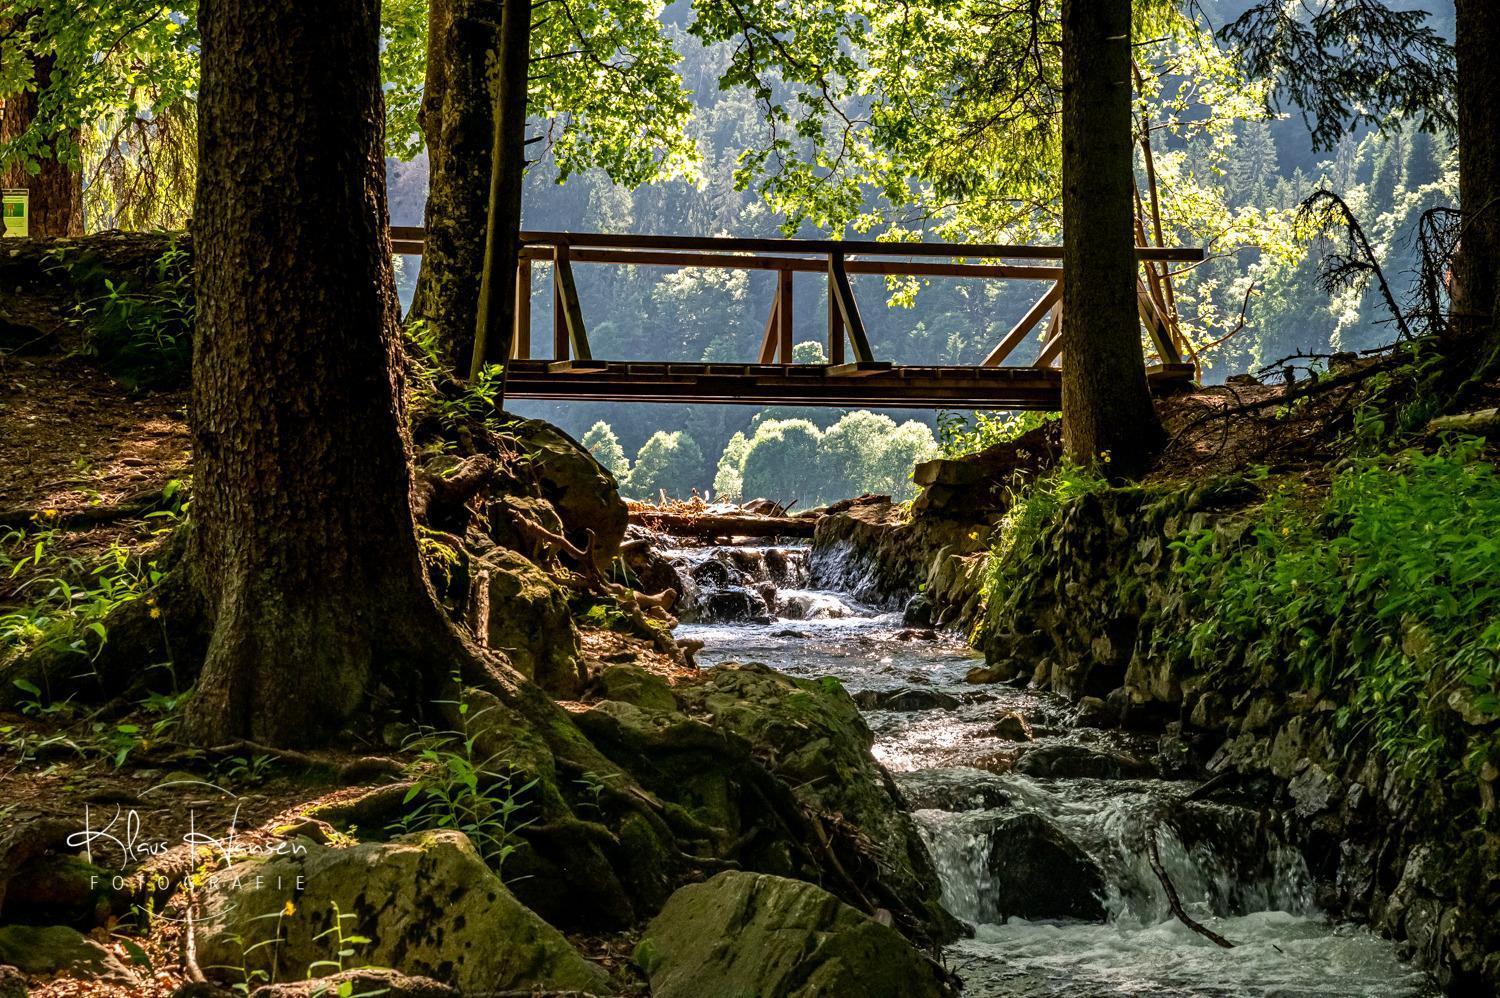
{"x": 457, "y": 118}
{"x": 495, "y": 324}
{"x": 1108, "y": 416}
{"x": 57, "y": 189}
{"x": 304, "y": 544}
{"x": 1476, "y": 266}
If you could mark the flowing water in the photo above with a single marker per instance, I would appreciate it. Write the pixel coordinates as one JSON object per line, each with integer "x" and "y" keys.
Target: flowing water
{"x": 1231, "y": 873}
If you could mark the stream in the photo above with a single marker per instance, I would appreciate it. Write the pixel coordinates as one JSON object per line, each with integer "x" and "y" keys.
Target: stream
{"x": 1023, "y": 839}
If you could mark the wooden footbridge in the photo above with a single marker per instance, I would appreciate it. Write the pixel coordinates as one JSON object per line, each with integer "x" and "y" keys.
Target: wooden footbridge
{"x": 854, "y": 375}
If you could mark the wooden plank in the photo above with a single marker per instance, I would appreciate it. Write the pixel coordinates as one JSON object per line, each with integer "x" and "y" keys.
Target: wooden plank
{"x": 1023, "y": 328}
{"x": 768, "y": 339}
{"x": 1051, "y": 353}
{"x": 843, "y": 295}
{"x": 868, "y": 247}
{"x": 416, "y": 236}
{"x": 521, "y": 345}
{"x": 1053, "y": 336}
{"x": 859, "y": 369}
{"x": 559, "y": 320}
{"x": 784, "y": 316}
{"x": 835, "y": 331}
{"x": 1156, "y": 326}
{"x": 799, "y": 264}
{"x": 577, "y": 366}
{"x": 572, "y": 309}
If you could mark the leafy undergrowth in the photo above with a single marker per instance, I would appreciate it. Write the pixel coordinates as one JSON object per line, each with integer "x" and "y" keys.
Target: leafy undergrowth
{"x": 1383, "y": 590}
{"x": 140, "y": 326}
{"x": 1376, "y": 584}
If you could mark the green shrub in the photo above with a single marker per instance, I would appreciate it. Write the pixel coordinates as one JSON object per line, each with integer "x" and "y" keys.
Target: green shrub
{"x": 1385, "y": 591}
{"x": 140, "y": 328}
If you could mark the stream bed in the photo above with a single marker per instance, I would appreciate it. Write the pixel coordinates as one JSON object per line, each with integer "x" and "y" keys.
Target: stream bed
{"x": 1064, "y": 832}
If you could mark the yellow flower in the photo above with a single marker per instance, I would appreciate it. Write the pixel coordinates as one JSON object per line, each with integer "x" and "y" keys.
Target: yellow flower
{"x": 155, "y": 613}
{"x": 288, "y": 910}
{"x": 50, "y": 514}
{"x": 1104, "y": 456}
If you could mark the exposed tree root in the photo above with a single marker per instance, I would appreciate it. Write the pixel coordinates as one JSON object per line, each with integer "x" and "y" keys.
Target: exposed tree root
{"x": 130, "y": 508}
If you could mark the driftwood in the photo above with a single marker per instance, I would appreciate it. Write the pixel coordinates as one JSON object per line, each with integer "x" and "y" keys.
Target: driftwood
{"x": 1154, "y": 855}
{"x": 1484, "y": 423}
{"x": 726, "y": 525}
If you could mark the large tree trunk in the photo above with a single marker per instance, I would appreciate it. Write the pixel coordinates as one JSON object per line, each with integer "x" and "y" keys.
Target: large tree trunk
{"x": 495, "y": 324}
{"x": 458, "y": 114}
{"x": 1476, "y": 268}
{"x": 1107, "y": 411}
{"x": 304, "y": 546}
{"x": 57, "y": 190}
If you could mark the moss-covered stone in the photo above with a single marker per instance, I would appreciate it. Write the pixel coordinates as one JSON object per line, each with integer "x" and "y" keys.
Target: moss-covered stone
{"x": 427, "y": 902}
{"x": 777, "y": 765}
{"x": 583, "y": 492}
{"x": 743, "y": 934}
{"x": 55, "y": 949}
{"x": 527, "y": 615}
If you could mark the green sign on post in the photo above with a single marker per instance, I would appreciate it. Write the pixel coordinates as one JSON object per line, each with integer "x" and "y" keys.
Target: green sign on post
{"x": 16, "y": 212}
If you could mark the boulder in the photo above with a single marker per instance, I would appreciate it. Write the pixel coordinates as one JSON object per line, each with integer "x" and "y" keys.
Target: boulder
{"x": 56, "y": 889}
{"x": 733, "y": 605}
{"x": 714, "y": 574}
{"x": 585, "y": 495}
{"x": 1066, "y": 761}
{"x": 906, "y": 698}
{"x": 506, "y": 514}
{"x": 1095, "y": 712}
{"x": 369, "y": 981}
{"x": 918, "y": 612}
{"x": 58, "y": 949}
{"x": 1012, "y": 727}
{"x": 427, "y": 902}
{"x": 749, "y": 748}
{"x": 645, "y": 568}
{"x": 745, "y": 934}
{"x": 527, "y": 615}
{"x": 633, "y": 685}
{"x": 1038, "y": 872}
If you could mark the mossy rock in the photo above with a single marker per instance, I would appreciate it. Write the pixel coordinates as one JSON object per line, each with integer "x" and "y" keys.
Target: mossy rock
{"x": 745, "y": 935}
{"x": 585, "y": 495}
{"x": 58, "y": 949}
{"x": 528, "y": 617}
{"x": 427, "y": 902}
{"x": 633, "y": 685}
{"x": 739, "y": 727}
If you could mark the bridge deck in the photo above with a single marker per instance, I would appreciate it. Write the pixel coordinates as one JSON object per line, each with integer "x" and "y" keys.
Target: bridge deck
{"x": 865, "y": 385}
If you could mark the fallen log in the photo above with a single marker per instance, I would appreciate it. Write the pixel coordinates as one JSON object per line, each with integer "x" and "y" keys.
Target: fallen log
{"x": 725, "y": 525}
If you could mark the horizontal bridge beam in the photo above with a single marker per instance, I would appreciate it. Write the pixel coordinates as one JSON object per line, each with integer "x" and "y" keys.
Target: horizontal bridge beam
{"x": 409, "y": 239}
{"x": 909, "y": 387}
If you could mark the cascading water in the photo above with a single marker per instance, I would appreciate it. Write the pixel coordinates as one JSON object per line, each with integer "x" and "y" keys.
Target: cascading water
{"x": 1047, "y": 858}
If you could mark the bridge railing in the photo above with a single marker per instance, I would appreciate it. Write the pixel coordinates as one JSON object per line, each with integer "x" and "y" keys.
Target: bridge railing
{"x": 837, "y": 259}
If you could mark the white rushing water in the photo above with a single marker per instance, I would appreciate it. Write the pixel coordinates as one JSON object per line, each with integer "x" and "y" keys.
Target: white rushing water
{"x": 1230, "y": 873}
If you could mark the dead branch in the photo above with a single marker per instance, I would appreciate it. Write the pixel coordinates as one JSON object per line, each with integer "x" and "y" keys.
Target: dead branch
{"x": 1154, "y": 855}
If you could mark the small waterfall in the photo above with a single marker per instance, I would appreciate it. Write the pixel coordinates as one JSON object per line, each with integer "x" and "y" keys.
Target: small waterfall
{"x": 1051, "y": 867}
{"x": 1221, "y": 859}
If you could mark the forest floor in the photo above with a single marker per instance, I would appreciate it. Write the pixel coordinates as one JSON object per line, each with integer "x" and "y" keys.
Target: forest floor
{"x": 75, "y": 445}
